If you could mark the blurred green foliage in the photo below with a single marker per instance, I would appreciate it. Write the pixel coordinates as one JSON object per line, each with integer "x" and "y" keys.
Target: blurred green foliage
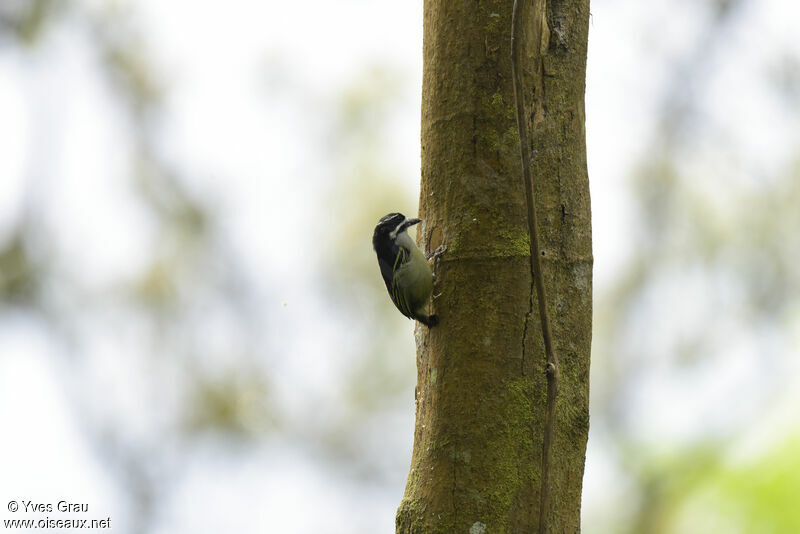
{"x": 25, "y": 20}
{"x": 759, "y": 495}
{"x": 234, "y": 404}
{"x": 19, "y": 276}
{"x": 186, "y": 278}
{"x": 714, "y": 239}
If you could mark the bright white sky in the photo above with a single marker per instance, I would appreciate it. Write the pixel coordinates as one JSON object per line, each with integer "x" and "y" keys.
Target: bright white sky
{"x": 214, "y": 55}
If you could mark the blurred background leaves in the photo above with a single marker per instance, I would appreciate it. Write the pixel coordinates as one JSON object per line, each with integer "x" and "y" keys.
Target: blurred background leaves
{"x": 190, "y": 302}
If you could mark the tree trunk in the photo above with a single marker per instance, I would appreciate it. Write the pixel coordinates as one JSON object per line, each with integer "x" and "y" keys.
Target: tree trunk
{"x": 481, "y": 384}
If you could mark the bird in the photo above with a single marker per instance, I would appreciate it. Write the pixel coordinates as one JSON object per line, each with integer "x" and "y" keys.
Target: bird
{"x": 404, "y": 268}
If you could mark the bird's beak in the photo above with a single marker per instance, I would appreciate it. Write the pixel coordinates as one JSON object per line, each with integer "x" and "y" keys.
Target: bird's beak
{"x": 412, "y": 222}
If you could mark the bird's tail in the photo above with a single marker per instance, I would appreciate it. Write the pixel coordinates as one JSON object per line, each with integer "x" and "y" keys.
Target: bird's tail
{"x": 428, "y": 320}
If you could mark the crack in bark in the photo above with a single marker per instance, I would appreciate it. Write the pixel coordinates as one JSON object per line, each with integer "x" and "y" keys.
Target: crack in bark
{"x": 525, "y": 328}
{"x": 455, "y": 509}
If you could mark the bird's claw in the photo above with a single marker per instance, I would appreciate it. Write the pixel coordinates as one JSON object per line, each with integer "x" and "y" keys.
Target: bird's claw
{"x": 436, "y": 254}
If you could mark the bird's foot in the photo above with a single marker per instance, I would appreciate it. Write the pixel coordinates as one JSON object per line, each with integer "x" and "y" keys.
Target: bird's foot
{"x": 436, "y": 254}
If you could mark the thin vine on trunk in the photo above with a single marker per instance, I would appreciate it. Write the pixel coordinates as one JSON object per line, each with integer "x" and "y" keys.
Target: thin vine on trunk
{"x": 551, "y": 367}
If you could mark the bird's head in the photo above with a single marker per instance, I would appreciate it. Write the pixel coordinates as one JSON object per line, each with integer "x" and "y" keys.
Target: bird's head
{"x": 393, "y": 224}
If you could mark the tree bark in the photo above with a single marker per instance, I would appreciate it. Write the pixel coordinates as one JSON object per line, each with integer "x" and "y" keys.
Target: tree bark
{"x": 481, "y": 383}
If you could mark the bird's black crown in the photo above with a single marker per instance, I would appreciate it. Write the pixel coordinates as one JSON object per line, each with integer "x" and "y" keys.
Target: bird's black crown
{"x": 389, "y": 222}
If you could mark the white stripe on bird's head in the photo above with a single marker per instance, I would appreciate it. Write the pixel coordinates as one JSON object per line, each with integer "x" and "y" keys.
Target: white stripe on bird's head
{"x": 403, "y": 225}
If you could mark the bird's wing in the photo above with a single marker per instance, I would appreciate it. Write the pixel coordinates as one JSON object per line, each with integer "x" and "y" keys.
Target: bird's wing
{"x": 397, "y": 294}
{"x": 386, "y": 259}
